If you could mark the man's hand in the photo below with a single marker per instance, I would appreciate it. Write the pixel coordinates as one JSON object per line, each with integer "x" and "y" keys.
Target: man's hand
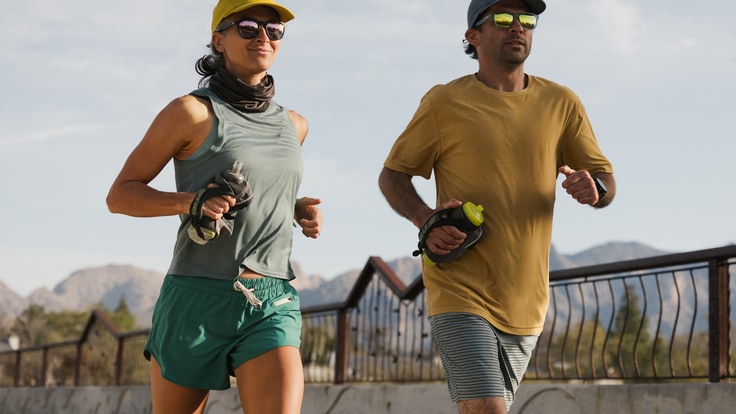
{"x": 580, "y": 185}
{"x": 309, "y": 216}
{"x": 444, "y": 239}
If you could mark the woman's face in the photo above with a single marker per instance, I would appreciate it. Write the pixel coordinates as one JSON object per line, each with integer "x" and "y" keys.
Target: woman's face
{"x": 248, "y": 59}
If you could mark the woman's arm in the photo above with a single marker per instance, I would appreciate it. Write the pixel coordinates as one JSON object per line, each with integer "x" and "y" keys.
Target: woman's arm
{"x": 177, "y": 131}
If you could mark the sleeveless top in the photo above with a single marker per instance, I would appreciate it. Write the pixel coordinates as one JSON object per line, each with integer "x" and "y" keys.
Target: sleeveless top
{"x": 267, "y": 145}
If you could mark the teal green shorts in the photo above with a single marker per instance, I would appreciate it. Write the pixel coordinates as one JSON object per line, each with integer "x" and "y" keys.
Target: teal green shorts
{"x": 203, "y": 329}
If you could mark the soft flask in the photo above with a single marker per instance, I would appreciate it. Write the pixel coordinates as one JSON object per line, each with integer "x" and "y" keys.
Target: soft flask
{"x": 467, "y": 218}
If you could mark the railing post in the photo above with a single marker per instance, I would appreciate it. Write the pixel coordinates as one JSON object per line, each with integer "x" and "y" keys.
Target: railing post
{"x": 718, "y": 319}
{"x": 119, "y": 363}
{"x": 44, "y": 366}
{"x": 78, "y": 364}
{"x": 16, "y": 380}
{"x": 341, "y": 346}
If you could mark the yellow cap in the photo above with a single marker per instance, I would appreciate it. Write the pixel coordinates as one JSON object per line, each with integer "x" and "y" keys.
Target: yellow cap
{"x": 225, "y": 8}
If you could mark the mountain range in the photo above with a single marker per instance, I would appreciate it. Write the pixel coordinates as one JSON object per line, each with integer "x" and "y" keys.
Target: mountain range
{"x": 106, "y": 285}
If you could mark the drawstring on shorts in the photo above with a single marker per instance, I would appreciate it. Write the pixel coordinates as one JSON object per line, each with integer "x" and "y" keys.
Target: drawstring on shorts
{"x": 248, "y": 293}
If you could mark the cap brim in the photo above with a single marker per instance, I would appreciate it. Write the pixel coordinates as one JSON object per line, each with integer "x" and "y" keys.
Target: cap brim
{"x": 284, "y": 14}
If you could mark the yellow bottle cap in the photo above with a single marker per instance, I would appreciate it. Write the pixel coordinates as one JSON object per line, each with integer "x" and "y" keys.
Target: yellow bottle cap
{"x": 473, "y": 212}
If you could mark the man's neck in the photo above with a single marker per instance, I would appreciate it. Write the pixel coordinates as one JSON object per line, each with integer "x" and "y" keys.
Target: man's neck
{"x": 504, "y": 80}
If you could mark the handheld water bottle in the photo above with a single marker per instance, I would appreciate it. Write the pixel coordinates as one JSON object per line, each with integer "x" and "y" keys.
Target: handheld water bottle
{"x": 203, "y": 229}
{"x": 468, "y": 218}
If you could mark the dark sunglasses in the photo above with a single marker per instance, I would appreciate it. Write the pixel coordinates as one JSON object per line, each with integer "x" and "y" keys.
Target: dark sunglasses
{"x": 249, "y": 28}
{"x": 505, "y": 20}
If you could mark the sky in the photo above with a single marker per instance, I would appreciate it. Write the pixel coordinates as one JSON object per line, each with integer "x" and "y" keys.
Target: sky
{"x": 83, "y": 81}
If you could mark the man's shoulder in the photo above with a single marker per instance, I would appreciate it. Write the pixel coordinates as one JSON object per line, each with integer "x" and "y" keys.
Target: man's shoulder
{"x": 454, "y": 86}
{"x": 550, "y": 86}
{"x": 461, "y": 82}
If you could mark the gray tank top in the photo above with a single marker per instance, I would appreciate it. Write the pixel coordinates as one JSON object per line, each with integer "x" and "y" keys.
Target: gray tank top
{"x": 267, "y": 145}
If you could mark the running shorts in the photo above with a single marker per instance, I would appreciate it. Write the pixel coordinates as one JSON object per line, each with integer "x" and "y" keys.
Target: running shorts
{"x": 479, "y": 360}
{"x": 203, "y": 329}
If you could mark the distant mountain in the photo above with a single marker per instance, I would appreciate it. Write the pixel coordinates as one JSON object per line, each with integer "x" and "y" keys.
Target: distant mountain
{"x": 336, "y": 290}
{"x": 107, "y": 284}
{"x": 612, "y": 252}
{"x": 11, "y": 304}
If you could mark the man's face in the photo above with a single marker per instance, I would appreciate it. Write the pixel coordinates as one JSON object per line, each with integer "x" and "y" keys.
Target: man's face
{"x": 503, "y": 46}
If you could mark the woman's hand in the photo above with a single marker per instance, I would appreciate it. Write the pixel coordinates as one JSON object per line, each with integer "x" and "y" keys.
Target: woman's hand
{"x": 309, "y": 216}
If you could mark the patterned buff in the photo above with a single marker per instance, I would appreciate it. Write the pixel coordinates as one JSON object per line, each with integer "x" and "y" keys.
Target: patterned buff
{"x": 240, "y": 95}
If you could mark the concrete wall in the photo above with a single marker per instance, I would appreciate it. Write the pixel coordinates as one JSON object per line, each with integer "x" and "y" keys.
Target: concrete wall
{"x": 390, "y": 398}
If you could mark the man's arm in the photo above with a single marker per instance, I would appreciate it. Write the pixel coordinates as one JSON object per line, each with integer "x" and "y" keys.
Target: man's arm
{"x": 404, "y": 199}
{"x": 610, "y": 183}
{"x": 402, "y": 196}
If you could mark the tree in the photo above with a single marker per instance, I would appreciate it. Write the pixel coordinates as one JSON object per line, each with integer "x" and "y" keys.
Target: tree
{"x": 578, "y": 352}
{"x": 319, "y": 343}
{"x": 123, "y": 320}
{"x": 31, "y": 326}
{"x": 66, "y": 325}
{"x": 631, "y": 346}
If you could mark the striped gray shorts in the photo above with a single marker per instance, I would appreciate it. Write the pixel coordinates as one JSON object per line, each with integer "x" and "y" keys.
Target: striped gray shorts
{"x": 479, "y": 360}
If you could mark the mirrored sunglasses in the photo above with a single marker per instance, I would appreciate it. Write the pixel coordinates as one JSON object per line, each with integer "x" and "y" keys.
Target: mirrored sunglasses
{"x": 249, "y": 28}
{"x": 504, "y": 20}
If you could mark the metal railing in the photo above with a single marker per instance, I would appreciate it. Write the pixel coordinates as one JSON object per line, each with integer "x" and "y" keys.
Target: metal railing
{"x": 665, "y": 318}
{"x": 101, "y": 356}
{"x": 662, "y": 318}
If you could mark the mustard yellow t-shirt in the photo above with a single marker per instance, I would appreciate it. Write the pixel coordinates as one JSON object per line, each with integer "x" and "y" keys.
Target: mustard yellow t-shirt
{"x": 501, "y": 150}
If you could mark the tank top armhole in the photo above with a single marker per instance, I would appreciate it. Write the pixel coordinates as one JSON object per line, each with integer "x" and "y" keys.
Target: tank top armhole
{"x": 208, "y": 142}
{"x": 211, "y": 137}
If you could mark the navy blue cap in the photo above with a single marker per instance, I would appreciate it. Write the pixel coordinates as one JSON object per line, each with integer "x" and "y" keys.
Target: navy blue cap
{"x": 477, "y": 7}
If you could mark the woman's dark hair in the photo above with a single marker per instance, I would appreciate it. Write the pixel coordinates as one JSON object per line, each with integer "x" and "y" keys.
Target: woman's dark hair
{"x": 207, "y": 65}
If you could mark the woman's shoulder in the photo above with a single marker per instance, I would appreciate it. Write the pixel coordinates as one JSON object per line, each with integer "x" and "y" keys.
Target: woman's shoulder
{"x": 191, "y": 107}
{"x": 183, "y": 124}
